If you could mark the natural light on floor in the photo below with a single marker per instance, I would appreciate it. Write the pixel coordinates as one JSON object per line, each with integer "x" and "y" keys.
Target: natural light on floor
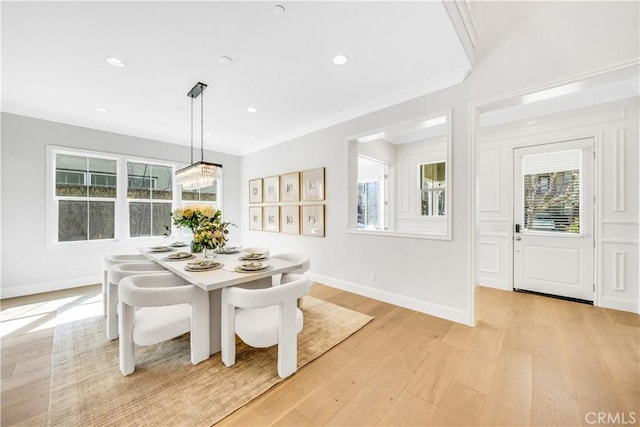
{"x": 38, "y": 316}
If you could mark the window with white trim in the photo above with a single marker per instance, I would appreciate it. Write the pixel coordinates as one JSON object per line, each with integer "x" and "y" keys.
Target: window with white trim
{"x": 372, "y": 210}
{"x": 85, "y": 208}
{"x": 97, "y": 196}
{"x": 149, "y": 197}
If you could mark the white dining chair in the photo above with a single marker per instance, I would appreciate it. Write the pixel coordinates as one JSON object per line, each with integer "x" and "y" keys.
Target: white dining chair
{"x": 117, "y": 272}
{"x": 263, "y": 318}
{"x": 159, "y": 307}
{"x": 297, "y": 258}
{"x": 107, "y": 262}
{"x": 293, "y": 257}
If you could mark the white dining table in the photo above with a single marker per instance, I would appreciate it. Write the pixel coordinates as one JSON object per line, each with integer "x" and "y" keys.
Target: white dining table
{"x": 213, "y": 281}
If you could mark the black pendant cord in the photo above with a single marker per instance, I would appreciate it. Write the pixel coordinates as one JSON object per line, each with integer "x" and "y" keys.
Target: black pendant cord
{"x": 191, "y": 131}
{"x": 202, "y": 126}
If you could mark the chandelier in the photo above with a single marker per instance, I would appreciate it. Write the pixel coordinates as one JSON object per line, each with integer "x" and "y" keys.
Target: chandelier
{"x": 201, "y": 174}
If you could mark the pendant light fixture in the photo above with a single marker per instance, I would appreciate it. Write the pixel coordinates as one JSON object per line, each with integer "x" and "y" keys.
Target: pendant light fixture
{"x": 201, "y": 174}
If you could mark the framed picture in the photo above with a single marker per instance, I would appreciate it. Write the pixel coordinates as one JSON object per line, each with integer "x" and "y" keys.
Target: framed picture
{"x": 255, "y": 190}
{"x": 271, "y": 219}
{"x": 290, "y": 187}
{"x": 270, "y": 189}
{"x": 255, "y": 218}
{"x": 313, "y": 220}
{"x": 313, "y": 184}
{"x": 290, "y": 219}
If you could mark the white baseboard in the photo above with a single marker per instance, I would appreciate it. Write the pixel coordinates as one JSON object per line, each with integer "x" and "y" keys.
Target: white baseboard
{"x": 438, "y": 310}
{"x": 619, "y": 304}
{"x": 55, "y": 285}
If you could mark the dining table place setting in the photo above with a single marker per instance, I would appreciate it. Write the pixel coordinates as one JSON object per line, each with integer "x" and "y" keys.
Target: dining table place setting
{"x": 228, "y": 250}
{"x": 178, "y": 256}
{"x": 253, "y": 267}
{"x": 178, "y": 244}
{"x": 254, "y": 254}
{"x": 203, "y": 265}
{"x": 161, "y": 248}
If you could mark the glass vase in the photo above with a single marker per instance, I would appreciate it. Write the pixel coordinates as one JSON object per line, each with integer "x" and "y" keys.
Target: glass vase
{"x": 209, "y": 253}
{"x": 195, "y": 247}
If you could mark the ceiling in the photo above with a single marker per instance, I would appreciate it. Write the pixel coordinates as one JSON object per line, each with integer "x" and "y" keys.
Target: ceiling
{"x": 54, "y": 65}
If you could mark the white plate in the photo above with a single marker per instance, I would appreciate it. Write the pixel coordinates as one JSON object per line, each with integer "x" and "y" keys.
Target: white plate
{"x": 253, "y": 266}
{"x": 202, "y": 265}
{"x": 178, "y": 244}
{"x": 266, "y": 267}
{"x": 229, "y": 250}
{"x": 160, "y": 249}
{"x": 252, "y": 251}
{"x": 254, "y": 257}
{"x": 179, "y": 255}
{"x": 213, "y": 266}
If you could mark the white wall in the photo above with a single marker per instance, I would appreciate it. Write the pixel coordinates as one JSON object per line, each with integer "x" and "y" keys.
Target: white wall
{"x": 520, "y": 46}
{"x": 427, "y": 275}
{"x": 28, "y": 266}
{"x": 614, "y": 126}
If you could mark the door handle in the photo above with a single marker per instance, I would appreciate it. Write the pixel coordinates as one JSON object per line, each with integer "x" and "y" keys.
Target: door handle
{"x": 518, "y": 238}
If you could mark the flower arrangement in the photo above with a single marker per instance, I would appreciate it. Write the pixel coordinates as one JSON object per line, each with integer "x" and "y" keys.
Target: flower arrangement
{"x": 212, "y": 234}
{"x": 192, "y": 216}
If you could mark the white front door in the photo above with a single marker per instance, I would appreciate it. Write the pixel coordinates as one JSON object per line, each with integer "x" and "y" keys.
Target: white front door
{"x": 553, "y": 213}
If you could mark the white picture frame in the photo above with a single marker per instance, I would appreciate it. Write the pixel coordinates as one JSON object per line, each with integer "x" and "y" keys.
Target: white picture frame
{"x": 255, "y": 190}
{"x": 290, "y": 219}
{"x": 255, "y": 218}
{"x": 290, "y": 187}
{"x": 271, "y": 191}
{"x": 312, "y": 219}
{"x": 313, "y": 185}
{"x": 271, "y": 219}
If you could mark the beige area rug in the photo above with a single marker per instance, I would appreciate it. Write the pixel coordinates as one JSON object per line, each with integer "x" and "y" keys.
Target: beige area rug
{"x": 87, "y": 388}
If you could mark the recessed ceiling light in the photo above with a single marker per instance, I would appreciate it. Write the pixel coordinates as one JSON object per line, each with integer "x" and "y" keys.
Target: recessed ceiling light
{"x": 278, "y": 9}
{"x": 102, "y": 109}
{"x": 115, "y": 62}
{"x": 226, "y": 60}
{"x": 252, "y": 110}
{"x": 340, "y": 59}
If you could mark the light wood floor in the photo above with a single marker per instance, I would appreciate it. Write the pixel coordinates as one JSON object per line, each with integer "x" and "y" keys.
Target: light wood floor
{"x": 530, "y": 361}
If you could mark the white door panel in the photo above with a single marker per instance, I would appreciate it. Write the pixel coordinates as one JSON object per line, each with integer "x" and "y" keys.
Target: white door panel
{"x": 553, "y": 210}
{"x": 553, "y": 258}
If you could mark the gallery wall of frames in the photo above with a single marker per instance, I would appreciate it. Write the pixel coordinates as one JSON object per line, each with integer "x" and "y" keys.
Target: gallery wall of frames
{"x": 292, "y": 203}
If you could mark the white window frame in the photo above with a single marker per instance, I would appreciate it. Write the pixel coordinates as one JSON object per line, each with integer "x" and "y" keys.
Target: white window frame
{"x": 121, "y": 220}
{"x": 383, "y": 191}
{"x": 432, "y": 216}
{"x": 52, "y": 199}
{"x": 128, "y": 200}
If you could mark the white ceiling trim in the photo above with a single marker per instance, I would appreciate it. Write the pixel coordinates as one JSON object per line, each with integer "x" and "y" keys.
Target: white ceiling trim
{"x": 102, "y": 126}
{"x": 406, "y": 94}
{"x": 430, "y": 86}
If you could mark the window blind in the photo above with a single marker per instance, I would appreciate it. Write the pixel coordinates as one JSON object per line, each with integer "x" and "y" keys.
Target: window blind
{"x": 552, "y": 191}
